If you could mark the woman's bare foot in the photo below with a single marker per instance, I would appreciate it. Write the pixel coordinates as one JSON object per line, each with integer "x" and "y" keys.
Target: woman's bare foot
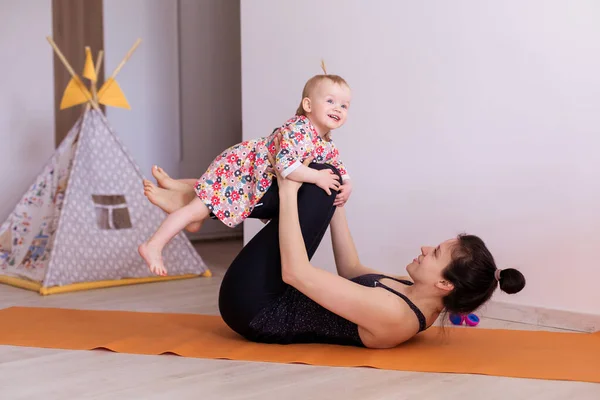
{"x": 166, "y": 182}
{"x": 170, "y": 201}
{"x": 153, "y": 259}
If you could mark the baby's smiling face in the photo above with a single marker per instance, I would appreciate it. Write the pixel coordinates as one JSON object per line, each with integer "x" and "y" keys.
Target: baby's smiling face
{"x": 327, "y": 105}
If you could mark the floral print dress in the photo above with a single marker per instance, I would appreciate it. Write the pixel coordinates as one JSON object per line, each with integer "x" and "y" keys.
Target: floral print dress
{"x": 238, "y": 178}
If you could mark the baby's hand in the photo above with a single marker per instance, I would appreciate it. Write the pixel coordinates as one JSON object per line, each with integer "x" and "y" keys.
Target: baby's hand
{"x": 328, "y": 180}
{"x": 344, "y": 194}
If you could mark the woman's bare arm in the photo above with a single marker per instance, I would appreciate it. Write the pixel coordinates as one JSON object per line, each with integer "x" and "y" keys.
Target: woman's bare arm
{"x": 344, "y": 251}
{"x": 372, "y": 309}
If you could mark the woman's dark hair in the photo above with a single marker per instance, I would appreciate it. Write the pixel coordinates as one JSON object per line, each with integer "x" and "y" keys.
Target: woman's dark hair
{"x": 472, "y": 271}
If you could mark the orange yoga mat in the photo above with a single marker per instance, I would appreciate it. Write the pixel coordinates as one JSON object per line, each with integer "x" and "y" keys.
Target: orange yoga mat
{"x": 511, "y": 353}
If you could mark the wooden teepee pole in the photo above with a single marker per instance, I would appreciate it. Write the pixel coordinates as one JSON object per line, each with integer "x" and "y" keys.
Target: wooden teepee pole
{"x": 97, "y": 68}
{"x": 127, "y": 56}
{"x": 99, "y": 60}
{"x": 112, "y": 77}
{"x": 72, "y": 72}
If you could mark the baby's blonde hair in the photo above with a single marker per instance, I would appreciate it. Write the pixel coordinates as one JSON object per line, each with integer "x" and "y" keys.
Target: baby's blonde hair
{"x": 314, "y": 81}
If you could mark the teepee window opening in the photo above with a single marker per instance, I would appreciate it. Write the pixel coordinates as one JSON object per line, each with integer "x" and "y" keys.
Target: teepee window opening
{"x": 111, "y": 212}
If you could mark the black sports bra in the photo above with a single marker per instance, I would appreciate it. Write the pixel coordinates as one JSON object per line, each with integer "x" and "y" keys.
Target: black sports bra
{"x": 375, "y": 279}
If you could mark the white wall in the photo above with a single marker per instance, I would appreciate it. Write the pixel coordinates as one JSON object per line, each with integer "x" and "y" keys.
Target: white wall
{"x": 183, "y": 84}
{"x": 150, "y": 79}
{"x": 26, "y": 97}
{"x": 479, "y": 117}
{"x": 211, "y": 104}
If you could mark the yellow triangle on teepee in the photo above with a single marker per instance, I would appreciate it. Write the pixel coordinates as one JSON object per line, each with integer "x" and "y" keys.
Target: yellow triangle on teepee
{"x": 110, "y": 94}
{"x": 89, "y": 71}
{"x": 75, "y": 93}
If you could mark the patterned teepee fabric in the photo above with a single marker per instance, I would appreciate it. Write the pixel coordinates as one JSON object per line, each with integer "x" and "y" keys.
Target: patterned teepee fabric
{"x": 85, "y": 216}
{"x": 28, "y": 233}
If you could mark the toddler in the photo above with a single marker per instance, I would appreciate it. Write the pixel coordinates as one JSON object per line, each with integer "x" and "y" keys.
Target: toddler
{"x": 237, "y": 180}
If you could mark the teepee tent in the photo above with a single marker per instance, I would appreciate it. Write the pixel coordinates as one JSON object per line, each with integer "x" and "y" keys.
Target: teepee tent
{"x": 80, "y": 223}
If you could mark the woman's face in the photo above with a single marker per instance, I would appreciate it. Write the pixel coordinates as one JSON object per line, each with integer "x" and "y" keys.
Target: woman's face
{"x": 429, "y": 265}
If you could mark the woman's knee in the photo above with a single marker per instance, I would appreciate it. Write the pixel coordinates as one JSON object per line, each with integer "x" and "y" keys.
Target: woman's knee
{"x": 313, "y": 194}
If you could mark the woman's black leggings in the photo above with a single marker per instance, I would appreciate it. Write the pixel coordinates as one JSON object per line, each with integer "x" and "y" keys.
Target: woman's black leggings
{"x": 253, "y": 279}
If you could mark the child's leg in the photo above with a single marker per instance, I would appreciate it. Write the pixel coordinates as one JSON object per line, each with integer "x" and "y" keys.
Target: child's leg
{"x": 195, "y": 211}
{"x": 188, "y": 182}
{"x": 171, "y": 200}
{"x": 166, "y": 182}
{"x": 168, "y": 200}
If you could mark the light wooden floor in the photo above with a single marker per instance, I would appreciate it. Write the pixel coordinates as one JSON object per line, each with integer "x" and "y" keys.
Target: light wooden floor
{"x": 31, "y": 373}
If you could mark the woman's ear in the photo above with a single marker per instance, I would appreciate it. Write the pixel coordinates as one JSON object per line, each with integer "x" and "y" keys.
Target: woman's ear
{"x": 445, "y": 285}
{"x": 306, "y": 104}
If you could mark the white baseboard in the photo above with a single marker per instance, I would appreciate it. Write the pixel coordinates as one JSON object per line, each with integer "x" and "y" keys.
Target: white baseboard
{"x": 542, "y": 316}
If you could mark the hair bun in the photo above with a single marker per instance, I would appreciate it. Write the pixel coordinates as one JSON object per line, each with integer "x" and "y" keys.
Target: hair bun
{"x": 511, "y": 281}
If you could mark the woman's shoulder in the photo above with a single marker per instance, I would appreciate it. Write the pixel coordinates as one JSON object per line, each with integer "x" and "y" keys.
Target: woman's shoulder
{"x": 397, "y": 325}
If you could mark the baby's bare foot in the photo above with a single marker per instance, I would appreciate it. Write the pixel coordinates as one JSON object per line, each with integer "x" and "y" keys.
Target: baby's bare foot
{"x": 166, "y": 182}
{"x": 153, "y": 259}
{"x": 167, "y": 200}
{"x": 170, "y": 201}
{"x": 162, "y": 178}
